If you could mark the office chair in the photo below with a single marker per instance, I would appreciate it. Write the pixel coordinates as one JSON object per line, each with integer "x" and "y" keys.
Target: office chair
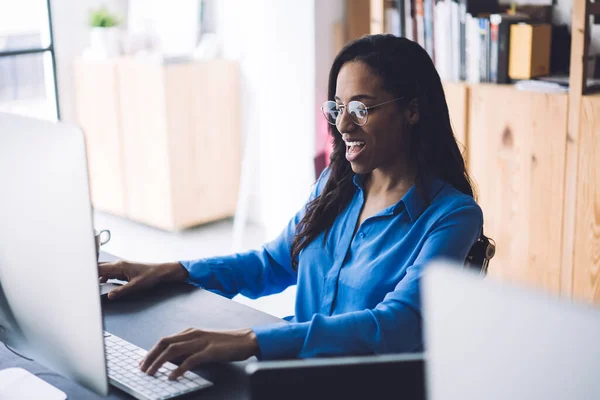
{"x": 480, "y": 254}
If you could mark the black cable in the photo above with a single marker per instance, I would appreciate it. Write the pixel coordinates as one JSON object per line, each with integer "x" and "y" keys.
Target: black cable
{"x": 29, "y": 359}
{"x": 14, "y": 352}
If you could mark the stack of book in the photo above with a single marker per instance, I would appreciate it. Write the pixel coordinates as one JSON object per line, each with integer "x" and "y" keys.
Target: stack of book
{"x": 467, "y": 39}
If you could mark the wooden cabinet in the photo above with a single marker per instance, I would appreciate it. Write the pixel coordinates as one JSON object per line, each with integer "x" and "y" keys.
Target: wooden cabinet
{"x": 586, "y": 247}
{"x": 517, "y": 144}
{"x": 163, "y": 140}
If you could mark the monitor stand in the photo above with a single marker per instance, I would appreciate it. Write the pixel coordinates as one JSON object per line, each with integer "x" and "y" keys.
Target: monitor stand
{"x": 17, "y": 383}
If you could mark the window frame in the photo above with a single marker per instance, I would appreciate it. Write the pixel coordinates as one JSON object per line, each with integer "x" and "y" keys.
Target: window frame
{"x": 42, "y": 50}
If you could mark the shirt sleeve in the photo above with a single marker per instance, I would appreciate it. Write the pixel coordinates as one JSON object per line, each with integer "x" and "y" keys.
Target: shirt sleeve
{"x": 394, "y": 325}
{"x": 254, "y": 273}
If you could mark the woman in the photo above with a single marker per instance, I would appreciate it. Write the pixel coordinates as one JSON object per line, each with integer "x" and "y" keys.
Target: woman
{"x": 395, "y": 196}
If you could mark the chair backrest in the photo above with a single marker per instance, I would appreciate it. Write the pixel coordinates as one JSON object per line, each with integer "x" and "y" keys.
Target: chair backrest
{"x": 480, "y": 254}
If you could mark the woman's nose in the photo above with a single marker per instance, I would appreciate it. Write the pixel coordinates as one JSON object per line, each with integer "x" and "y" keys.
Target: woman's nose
{"x": 344, "y": 122}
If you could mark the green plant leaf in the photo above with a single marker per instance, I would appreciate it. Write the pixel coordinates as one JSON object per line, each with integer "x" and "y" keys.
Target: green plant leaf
{"x": 103, "y": 18}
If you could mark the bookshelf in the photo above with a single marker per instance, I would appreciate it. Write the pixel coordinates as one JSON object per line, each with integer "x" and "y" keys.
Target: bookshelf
{"x": 535, "y": 158}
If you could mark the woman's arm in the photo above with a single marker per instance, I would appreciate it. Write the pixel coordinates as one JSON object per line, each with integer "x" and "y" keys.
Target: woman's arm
{"x": 254, "y": 273}
{"x": 394, "y": 325}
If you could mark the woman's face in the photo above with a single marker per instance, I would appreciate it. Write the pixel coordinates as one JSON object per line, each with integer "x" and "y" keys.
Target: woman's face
{"x": 382, "y": 141}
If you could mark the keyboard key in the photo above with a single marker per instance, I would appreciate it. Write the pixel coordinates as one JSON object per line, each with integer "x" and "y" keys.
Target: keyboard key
{"x": 170, "y": 366}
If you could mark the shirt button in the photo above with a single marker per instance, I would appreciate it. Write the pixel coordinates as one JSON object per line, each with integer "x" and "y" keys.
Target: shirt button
{"x": 361, "y": 235}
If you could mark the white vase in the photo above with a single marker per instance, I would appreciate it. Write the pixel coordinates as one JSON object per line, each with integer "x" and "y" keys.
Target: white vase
{"x": 105, "y": 42}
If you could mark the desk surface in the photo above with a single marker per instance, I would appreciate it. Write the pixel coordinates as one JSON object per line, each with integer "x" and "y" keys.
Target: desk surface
{"x": 144, "y": 318}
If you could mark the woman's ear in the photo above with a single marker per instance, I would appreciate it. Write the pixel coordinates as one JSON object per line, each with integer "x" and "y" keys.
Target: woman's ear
{"x": 412, "y": 112}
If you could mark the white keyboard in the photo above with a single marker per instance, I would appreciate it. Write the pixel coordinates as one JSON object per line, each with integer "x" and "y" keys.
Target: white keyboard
{"x": 122, "y": 361}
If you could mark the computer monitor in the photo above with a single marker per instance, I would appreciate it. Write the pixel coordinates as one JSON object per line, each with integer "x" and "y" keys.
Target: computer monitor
{"x": 49, "y": 294}
{"x": 487, "y": 339}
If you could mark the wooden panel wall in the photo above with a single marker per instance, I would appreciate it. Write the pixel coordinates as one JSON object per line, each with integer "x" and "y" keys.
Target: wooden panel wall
{"x": 517, "y": 143}
{"x": 586, "y": 248}
{"x": 457, "y": 97}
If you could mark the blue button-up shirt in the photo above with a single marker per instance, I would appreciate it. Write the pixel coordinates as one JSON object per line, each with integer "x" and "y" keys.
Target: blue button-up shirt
{"x": 359, "y": 292}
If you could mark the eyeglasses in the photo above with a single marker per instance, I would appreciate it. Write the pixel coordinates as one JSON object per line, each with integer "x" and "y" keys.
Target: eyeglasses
{"x": 357, "y": 111}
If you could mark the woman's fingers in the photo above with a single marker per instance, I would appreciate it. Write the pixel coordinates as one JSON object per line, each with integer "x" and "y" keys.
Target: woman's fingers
{"x": 123, "y": 290}
{"x": 196, "y": 346}
{"x": 192, "y": 361}
{"x": 171, "y": 352}
{"x": 184, "y": 336}
{"x": 111, "y": 271}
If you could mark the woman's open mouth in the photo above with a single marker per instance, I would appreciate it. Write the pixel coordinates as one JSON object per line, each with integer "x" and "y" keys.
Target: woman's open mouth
{"x": 353, "y": 149}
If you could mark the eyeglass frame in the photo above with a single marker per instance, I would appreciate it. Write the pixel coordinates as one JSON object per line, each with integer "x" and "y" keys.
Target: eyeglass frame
{"x": 343, "y": 109}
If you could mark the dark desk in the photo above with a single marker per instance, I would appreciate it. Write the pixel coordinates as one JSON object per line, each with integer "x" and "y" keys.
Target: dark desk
{"x": 143, "y": 319}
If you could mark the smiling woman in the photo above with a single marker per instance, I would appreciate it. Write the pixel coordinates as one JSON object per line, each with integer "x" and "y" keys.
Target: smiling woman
{"x": 395, "y": 197}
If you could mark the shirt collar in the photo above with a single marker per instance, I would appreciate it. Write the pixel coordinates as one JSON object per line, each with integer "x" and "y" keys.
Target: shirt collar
{"x": 413, "y": 201}
{"x": 359, "y": 181}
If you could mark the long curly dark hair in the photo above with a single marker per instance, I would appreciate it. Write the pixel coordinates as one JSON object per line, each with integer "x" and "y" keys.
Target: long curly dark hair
{"x": 406, "y": 71}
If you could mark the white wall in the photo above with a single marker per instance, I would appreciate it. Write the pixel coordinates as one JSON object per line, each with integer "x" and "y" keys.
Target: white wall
{"x": 274, "y": 41}
{"x": 69, "y": 20}
{"x": 327, "y": 13}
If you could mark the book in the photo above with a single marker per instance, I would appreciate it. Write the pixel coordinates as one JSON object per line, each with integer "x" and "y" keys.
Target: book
{"x": 420, "y": 23}
{"x": 392, "y": 21}
{"x": 442, "y": 42}
{"x": 484, "y": 40}
{"x": 472, "y": 49}
{"x": 500, "y": 41}
{"x": 401, "y": 9}
{"x": 455, "y": 39}
{"x": 463, "y": 39}
{"x": 408, "y": 20}
{"x": 428, "y": 26}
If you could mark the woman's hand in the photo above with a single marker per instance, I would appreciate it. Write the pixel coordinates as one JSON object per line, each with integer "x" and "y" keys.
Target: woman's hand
{"x": 140, "y": 276}
{"x": 197, "y": 347}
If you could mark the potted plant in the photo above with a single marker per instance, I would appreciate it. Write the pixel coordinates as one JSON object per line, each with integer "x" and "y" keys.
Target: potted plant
{"x": 104, "y": 32}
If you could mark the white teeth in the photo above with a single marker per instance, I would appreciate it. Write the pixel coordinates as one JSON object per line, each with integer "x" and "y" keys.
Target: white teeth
{"x": 355, "y": 143}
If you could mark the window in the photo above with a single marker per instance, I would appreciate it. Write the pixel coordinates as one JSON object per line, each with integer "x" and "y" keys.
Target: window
{"x": 27, "y": 62}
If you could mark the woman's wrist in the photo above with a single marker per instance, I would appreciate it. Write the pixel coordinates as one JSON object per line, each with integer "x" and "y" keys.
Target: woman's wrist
{"x": 174, "y": 272}
{"x": 252, "y": 342}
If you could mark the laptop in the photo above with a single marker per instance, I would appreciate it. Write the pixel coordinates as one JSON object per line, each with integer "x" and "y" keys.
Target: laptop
{"x": 358, "y": 377}
{"x": 491, "y": 340}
